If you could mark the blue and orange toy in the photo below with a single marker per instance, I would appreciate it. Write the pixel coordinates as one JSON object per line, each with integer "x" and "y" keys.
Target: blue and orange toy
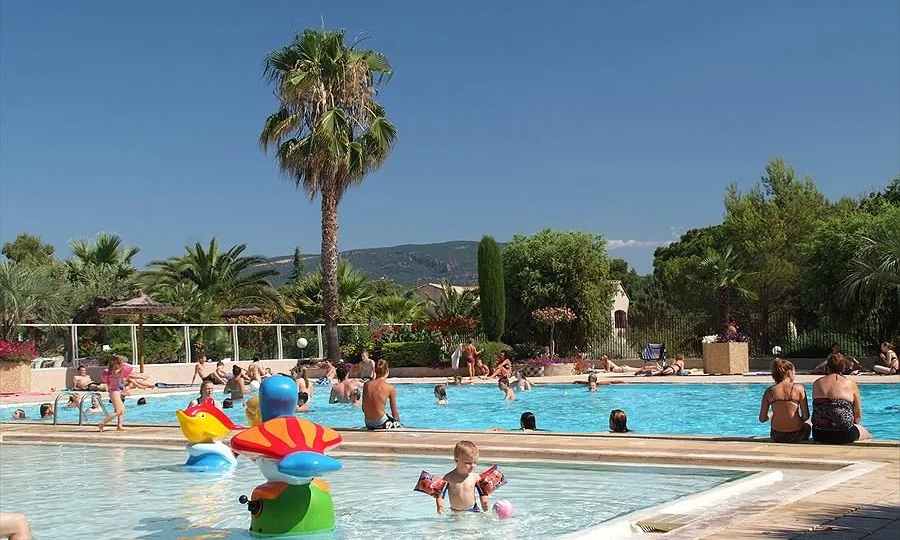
{"x": 204, "y": 425}
{"x": 290, "y": 453}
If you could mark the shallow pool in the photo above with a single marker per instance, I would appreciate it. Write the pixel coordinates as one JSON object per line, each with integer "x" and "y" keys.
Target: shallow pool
{"x": 666, "y": 408}
{"x": 137, "y": 493}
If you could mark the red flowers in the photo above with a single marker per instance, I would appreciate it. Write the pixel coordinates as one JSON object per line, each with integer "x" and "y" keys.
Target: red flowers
{"x": 17, "y": 351}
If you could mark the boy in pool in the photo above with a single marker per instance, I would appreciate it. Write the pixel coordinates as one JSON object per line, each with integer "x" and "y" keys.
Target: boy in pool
{"x": 440, "y": 393}
{"x": 462, "y": 481}
{"x": 503, "y": 385}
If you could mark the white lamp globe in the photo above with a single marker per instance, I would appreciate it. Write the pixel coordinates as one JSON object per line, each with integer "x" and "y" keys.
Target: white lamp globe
{"x": 302, "y": 343}
{"x": 776, "y": 350}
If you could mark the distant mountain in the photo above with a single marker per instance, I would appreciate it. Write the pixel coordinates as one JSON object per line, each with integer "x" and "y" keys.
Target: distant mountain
{"x": 407, "y": 265}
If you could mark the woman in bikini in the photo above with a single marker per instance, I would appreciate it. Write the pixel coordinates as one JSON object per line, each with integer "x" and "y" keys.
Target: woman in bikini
{"x": 889, "y": 363}
{"x": 116, "y": 387}
{"x": 676, "y": 367}
{"x": 790, "y": 409}
{"x": 504, "y": 366}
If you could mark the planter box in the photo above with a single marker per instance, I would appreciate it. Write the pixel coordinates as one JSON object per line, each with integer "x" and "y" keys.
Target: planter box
{"x": 726, "y": 358}
{"x": 557, "y": 370}
{"x": 15, "y": 377}
{"x": 528, "y": 370}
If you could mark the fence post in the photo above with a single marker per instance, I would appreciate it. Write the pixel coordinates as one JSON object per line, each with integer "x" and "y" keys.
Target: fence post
{"x": 75, "y": 341}
{"x": 187, "y": 343}
{"x": 134, "y": 348}
{"x": 280, "y": 340}
{"x": 234, "y": 343}
{"x": 321, "y": 348}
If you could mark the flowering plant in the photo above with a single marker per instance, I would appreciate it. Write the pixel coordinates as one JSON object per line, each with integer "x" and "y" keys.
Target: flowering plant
{"x": 739, "y": 337}
{"x": 17, "y": 351}
{"x": 553, "y": 315}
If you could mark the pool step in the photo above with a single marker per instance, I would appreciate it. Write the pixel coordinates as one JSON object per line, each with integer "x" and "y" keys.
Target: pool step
{"x": 664, "y": 522}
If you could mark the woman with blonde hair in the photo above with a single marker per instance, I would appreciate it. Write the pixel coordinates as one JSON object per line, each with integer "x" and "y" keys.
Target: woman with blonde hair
{"x": 790, "y": 408}
{"x": 117, "y": 376}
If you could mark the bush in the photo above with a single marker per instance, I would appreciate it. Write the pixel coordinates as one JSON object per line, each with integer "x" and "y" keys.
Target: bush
{"x": 411, "y": 354}
{"x": 490, "y": 351}
{"x": 524, "y": 351}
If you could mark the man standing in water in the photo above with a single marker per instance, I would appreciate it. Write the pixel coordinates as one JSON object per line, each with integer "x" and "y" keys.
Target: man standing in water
{"x": 375, "y": 393}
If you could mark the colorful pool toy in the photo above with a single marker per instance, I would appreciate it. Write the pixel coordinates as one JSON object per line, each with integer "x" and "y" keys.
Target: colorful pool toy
{"x": 203, "y": 425}
{"x": 290, "y": 453}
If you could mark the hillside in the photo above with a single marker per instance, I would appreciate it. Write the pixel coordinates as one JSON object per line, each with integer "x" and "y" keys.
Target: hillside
{"x": 406, "y": 265}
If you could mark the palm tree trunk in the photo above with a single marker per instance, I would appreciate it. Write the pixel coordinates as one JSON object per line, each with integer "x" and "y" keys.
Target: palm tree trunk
{"x": 723, "y": 295}
{"x": 330, "y": 306}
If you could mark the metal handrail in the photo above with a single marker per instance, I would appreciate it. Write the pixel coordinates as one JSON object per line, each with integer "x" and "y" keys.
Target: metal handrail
{"x": 81, "y": 415}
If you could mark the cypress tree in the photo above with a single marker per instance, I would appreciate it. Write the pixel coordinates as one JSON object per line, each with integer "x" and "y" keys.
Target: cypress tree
{"x": 297, "y": 267}
{"x": 492, "y": 301}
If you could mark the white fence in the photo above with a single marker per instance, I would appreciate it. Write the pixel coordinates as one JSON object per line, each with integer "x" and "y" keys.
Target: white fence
{"x": 269, "y": 341}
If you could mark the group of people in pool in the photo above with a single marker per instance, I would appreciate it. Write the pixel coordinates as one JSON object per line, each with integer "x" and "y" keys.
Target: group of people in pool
{"x": 837, "y": 407}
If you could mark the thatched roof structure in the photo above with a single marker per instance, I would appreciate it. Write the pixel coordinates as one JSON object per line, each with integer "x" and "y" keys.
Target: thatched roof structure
{"x": 139, "y": 305}
{"x": 242, "y": 312}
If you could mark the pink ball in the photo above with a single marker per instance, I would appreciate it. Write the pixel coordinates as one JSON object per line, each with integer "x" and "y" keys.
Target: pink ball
{"x": 504, "y": 510}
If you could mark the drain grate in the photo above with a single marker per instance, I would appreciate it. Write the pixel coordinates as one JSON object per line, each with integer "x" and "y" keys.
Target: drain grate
{"x": 663, "y": 523}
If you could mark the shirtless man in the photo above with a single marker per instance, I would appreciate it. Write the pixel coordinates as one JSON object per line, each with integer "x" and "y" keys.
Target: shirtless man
{"x": 375, "y": 393}
{"x": 254, "y": 372}
{"x": 82, "y": 381}
{"x": 366, "y": 367}
{"x": 345, "y": 389}
{"x": 469, "y": 353}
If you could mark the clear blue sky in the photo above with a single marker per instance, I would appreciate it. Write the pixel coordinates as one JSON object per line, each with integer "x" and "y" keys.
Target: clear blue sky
{"x": 626, "y": 119}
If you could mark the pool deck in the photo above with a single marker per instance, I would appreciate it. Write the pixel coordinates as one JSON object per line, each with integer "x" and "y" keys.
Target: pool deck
{"x": 861, "y": 499}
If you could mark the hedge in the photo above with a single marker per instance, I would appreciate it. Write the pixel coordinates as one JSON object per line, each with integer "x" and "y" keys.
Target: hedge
{"x": 411, "y": 353}
{"x": 490, "y": 351}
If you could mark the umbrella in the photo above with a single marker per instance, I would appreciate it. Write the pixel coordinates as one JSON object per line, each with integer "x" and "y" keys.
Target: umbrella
{"x": 140, "y": 305}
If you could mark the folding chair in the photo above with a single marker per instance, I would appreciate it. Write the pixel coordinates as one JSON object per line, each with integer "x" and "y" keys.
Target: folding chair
{"x": 654, "y": 353}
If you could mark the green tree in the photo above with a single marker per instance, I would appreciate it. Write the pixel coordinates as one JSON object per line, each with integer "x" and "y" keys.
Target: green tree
{"x": 106, "y": 253}
{"x": 558, "y": 268}
{"x": 355, "y": 290}
{"x": 30, "y": 293}
{"x": 677, "y": 269}
{"x": 727, "y": 279}
{"x": 491, "y": 292}
{"x": 455, "y": 303}
{"x": 397, "y": 309}
{"x": 766, "y": 225}
{"x": 298, "y": 269}
{"x": 329, "y": 133}
{"x": 213, "y": 281}
{"x": 28, "y": 248}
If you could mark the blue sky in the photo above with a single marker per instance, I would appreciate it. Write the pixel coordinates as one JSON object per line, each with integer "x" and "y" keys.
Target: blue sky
{"x": 627, "y": 119}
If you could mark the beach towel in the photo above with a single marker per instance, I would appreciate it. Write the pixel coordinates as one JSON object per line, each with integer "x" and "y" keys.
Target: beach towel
{"x": 176, "y": 385}
{"x": 454, "y": 358}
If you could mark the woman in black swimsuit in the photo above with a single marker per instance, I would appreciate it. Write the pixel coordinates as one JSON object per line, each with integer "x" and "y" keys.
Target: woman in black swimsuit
{"x": 790, "y": 410}
{"x": 837, "y": 407}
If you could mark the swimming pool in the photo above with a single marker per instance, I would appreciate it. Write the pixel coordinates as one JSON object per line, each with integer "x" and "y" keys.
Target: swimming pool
{"x": 664, "y": 408}
{"x": 68, "y": 492}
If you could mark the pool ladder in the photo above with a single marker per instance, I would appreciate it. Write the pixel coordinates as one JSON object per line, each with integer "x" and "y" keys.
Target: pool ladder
{"x": 81, "y": 416}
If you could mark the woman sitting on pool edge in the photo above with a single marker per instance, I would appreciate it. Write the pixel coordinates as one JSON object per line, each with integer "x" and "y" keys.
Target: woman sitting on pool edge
{"x": 837, "y": 407}
{"x": 790, "y": 409}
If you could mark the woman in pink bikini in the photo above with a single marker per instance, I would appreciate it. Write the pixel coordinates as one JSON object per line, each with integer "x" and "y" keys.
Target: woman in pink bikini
{"x": 117, "y": 373}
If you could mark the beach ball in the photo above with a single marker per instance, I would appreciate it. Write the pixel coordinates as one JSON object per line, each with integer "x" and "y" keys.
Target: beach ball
{"x": 504, "y": 510}
{"x": 302, "y": 343}
{"x": 254, "y": 386}
{"x": 776, "y": 350}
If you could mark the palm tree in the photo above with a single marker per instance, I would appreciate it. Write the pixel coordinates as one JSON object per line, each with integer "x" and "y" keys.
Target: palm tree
{"x": 454, "y": 303}
{"x": 355, "y": 291}
{"x": 398, "y": 309}
{"x": 329, "y": 133}
{"x": 106, "y": 253}
{"x": 875, "y": 268}
{"x": 727, "y": 278}
{"x": 209, "y": 277}
{"x": 29, "y": 293}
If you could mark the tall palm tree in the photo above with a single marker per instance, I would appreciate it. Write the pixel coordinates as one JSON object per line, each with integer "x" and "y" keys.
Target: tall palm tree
{"x": 727, "y": 278}
{"x": 29, "y": 293}
{"x": 208, "y": 276}
{"x": 107, "y": 253}
{"x": 355, "y": 291}
{"x": 329, "y": 133}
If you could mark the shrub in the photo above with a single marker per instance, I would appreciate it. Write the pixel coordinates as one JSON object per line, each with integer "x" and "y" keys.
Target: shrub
{"x": 524, "y": 351}
{"x": 490, "y": 351}
{"x": 411, "y": 353}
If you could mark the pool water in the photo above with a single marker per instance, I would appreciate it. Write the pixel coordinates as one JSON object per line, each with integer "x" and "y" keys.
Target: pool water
{"x": 664, "y": 408}
{"x": 72, "y": 491}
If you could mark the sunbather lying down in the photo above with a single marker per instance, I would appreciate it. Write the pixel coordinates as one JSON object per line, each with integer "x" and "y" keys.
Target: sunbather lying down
{"x": 611, "y": 367}
{"x": 674, "y": 368}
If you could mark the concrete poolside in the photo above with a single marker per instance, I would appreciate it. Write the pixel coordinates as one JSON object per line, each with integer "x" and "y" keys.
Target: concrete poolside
{"x": 861, "y": 499}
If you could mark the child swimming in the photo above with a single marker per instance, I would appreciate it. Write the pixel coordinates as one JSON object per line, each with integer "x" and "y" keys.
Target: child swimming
{"x": 440, "y": 392}
{"x": 462, "y": 481}
{"x": 503, "y": 385}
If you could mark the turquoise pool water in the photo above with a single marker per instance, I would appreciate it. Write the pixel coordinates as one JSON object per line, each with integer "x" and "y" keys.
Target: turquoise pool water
{"x": 136, "y": 493}
{"x": 666, "y": 408}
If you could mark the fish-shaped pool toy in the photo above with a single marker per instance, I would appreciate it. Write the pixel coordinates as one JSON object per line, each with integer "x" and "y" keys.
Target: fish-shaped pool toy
{"x": 204, "y": 422}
